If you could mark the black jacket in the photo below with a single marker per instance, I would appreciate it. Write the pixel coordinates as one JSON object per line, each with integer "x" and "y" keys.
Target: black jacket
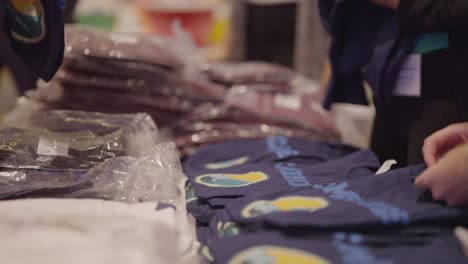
{"x": 449, "y": 16}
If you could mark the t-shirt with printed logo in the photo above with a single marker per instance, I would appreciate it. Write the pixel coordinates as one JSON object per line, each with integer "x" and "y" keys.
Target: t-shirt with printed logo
{"x": 418, "y": 245}
{"x": 376, "y": 201}
{"x": 268, "y": 176}
{"x": 234, "y": 153}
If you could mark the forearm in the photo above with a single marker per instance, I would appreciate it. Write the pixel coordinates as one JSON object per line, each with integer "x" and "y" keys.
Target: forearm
{"x": 433, "y": 16}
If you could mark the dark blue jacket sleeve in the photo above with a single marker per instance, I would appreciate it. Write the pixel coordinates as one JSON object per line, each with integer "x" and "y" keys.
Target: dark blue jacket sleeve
{"x": 433, "y": 15}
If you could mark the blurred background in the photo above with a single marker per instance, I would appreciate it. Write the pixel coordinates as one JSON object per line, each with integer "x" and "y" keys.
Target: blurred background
{"x": 287, "y": 32}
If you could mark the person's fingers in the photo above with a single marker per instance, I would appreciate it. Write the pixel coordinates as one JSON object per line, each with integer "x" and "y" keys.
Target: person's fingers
{"x": 447, "y": 179}
{"x": 432, "y": 146}
{"x": 440, "y": 143}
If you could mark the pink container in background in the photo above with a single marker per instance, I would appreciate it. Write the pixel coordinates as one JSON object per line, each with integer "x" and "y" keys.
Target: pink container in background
{"x": 197, "y": 19}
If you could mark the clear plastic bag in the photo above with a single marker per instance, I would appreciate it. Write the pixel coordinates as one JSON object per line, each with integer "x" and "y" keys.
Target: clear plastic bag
{"x": 39, "y": 148}
{"x": 246, "y": 113}
{"x": 165, "y": 109}
{"x": 154, "y": 176}
{"x": 260, "y": 77}
{"x": 109, "y": 72}
{"x": 46, "y": 153}
{"x": 123, "y": 134}
{"x": 118, "y": 100}
{"x": 110, "y": 83}
{"x": 129, "y": 69}
{"x": 195, "y": 105}
{"x": 300, "y": 110}
{"x": 96, "y": 43}
{"x": 24, "y": 183}
{"x": 250, "y": 73}
{"x": 153, "y": 173}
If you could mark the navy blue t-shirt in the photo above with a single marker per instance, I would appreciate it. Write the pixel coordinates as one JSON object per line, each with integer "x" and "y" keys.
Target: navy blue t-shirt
{"x": 419, "y": 245}
{"x": 31, "y": 183}
{"x": 239, "y": 152}
{"x": 385, "y": 200}
{"x": 261, "y": 177}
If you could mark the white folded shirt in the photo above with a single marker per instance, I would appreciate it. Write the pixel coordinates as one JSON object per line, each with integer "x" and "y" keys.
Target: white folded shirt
{"x": 50, "y": 231}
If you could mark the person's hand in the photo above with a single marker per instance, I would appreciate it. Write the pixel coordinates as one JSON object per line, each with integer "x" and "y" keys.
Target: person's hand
{"x": 392, "y": 4}
{"x": 448, "y": 178}
{"x": 437, "y": 145}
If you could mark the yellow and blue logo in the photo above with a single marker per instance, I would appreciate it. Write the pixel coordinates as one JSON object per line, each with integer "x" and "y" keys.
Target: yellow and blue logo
{"x": 276, "y": 255}
{"x": 226, "y": 164}
{"x": 284, "y": 204}
{"x": 231, "y": 180}
{"x": 26, "y": 20}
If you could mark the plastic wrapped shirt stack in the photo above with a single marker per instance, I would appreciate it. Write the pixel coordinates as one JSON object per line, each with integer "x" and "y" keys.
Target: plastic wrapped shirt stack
{"x": 261, "y": 100}
{"x": 197, "y": 103}
{"x": 124, "y": 73}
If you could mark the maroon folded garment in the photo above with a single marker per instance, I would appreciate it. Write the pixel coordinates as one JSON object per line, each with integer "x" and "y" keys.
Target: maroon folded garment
{"x": 165, "y": 110}
{"x": 165, "y": 83}
{"x": 118, "y": 68}
{"x": 96, "y": 43}
{"x": 166, "y": 103}
{"x": 301, "y": 110}
{"x": 117, "y": 84}
{"x": 219, "y": 112}
{"x": 260, "y": 76}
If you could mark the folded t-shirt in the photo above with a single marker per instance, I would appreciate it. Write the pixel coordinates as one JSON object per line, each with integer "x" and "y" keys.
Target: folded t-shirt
{"x": 419, "y": 245}
{"x": 30, "y": 183}
{"x": 249, "y": 178}
{"x": 236, "y": 153}
{"x": 376, "y": 201}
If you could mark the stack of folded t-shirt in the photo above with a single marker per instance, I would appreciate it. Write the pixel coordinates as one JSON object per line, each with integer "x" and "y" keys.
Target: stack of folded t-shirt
{"x": 223, "y": 173}
{"x": 49, "y": 153}
{"x": 289, "y": 200}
